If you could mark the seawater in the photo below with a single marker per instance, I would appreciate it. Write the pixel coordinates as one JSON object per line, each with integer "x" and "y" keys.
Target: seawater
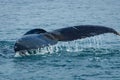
{"x": 94, "y": 58}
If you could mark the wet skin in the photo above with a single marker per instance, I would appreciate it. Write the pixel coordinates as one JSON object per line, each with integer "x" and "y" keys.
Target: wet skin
{"x": 39, "y": 38}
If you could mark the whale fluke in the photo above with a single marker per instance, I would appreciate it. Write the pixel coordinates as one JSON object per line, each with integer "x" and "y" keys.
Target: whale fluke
{"x": 39, "y": 38}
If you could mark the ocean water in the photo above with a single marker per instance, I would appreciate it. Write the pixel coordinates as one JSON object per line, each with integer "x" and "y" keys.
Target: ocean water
{"x": 94, "y": 58}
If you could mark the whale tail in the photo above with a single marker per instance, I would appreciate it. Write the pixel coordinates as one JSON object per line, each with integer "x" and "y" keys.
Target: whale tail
{"x": 82, "y": 31}
{"x": 39, "y": 38}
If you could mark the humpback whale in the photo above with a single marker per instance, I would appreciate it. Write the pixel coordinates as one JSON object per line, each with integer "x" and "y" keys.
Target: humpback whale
{"x": 39, "y": 38}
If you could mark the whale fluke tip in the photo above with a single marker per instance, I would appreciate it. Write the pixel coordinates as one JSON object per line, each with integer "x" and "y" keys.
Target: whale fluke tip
{"x": 118, "y": 33}
{"x": 115, "y": 32}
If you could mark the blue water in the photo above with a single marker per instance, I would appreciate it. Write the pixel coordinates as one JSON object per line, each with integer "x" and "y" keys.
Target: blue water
{"x": 95, "y": 58}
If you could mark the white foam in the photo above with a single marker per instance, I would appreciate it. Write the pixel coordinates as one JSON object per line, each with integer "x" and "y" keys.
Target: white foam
{"x": 17, "y": 54}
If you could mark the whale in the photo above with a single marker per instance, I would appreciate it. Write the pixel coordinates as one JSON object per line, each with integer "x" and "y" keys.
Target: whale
{"x": 40, "y": 38}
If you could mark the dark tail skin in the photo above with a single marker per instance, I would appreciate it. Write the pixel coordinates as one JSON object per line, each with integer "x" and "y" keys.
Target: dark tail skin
{"x": 82, "y": 31}
{"x": 38, "y": 38}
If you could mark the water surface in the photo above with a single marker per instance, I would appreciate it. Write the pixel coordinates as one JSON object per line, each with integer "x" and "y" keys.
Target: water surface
{"x": 95, "y": 58}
